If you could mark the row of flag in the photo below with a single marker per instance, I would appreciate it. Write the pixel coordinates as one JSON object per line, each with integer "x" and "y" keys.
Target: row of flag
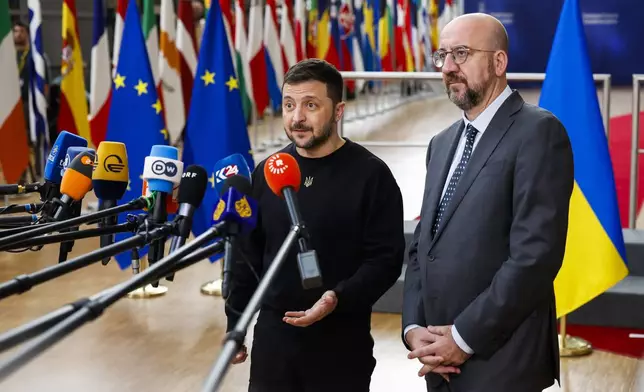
{"x": 350, "y": 34}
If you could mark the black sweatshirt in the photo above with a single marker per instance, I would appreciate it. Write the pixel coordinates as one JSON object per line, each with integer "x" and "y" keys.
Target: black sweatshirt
{"x": 353, "y": 209}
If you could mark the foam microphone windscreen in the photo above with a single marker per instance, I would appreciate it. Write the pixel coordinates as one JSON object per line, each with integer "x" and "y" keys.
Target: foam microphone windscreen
{"x": 236, "y": 204}
{"x": 281, "y": 170}
{"x": 56, "y": 158}
{"x": 77, "y": 180}
{"x": 234, "y": 164}
{"x": 111, "y": 173}
{"x": 192, "y": 187}
{"x": 240, "y": 183}
{"x": 162, "y": 169}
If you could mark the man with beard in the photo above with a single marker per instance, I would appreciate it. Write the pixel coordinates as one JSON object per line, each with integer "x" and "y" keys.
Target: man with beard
{"x": 320, "y": 339}
{"x": 479, "y": 306}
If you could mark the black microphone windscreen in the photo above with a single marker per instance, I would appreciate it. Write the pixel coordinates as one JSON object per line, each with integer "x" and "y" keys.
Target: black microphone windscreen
{"x": 192, "y": 187}
{"x": 109, "y": 190}
{"x": 240, "y": 183}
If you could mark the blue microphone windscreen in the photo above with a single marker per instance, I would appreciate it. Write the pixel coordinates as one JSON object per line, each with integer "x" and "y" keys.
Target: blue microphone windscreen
{"x": 232, "y": 165}
{"x": 168, "y": 152}
{"x": 164, "y": 151}
{"x": 71, "y": 154}
{"x": 56, "y": 158}
{"x": 235, "y": 206}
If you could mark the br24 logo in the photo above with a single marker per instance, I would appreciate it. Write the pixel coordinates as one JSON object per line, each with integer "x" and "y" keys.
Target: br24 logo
{"x": 225, "y": 172}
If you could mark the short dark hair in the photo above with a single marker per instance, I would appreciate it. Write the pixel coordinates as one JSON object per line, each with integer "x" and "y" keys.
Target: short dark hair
{"x": 320, "y": 70}
{"x": 22, "y": 24}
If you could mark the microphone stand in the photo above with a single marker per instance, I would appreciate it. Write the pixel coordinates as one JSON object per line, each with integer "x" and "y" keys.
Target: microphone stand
{"x": 75, "y": 235}
{"x": 66, "y": 246}
{"x": 22, "y": 229}
{"x": 23, "y": 283}
{"x": 18, "y": 208}
{"x": 235, "y": 338}
{"x": 22, "y": 219}
{"x": 18, "y": 335}
{"x": 135, "y": 204}
{"x": 92, "y": 309}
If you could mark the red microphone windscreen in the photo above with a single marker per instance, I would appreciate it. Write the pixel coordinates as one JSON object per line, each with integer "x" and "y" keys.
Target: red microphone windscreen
{"x": 281, "y": 170}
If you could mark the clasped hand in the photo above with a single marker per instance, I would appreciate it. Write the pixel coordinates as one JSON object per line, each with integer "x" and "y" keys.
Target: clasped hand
{"x": 436, "y": 349}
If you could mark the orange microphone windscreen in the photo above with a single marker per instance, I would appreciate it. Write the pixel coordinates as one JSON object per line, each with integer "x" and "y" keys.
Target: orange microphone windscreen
{"x": 281, "y": 170}
{"x": 75, "y": 184}
{"x": 77, "y": 179}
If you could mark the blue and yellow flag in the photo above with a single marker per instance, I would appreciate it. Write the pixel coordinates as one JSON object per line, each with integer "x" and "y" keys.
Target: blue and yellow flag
{"x": 216, "y": 124}
{"x": 595, "y": 257}
{"x": 136, "y": 116}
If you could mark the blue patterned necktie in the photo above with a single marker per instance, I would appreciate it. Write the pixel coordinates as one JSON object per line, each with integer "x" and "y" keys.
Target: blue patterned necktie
{"x": 449, "y": 192}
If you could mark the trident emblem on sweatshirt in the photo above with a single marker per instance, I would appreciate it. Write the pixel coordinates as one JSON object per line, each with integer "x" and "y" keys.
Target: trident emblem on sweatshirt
{"x": 308, "y": 181}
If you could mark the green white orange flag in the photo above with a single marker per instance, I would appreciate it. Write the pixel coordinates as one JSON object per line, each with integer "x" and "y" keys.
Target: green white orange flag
{"x": 14, "y": 151}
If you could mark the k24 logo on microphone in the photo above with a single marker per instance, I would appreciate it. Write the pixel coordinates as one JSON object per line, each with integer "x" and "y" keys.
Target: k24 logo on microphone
{"x": 226, "y": 172}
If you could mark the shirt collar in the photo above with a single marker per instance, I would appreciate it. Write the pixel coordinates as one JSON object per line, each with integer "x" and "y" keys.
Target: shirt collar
{"x": 483, "y": 120}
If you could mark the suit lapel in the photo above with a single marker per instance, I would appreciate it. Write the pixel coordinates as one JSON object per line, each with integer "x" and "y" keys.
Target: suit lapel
{"x": 441, "y": 162}
{"x": 495, "y": 131}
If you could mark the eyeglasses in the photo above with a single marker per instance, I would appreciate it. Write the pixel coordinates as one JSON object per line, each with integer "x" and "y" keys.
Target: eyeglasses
{"x": 459, "y": 55}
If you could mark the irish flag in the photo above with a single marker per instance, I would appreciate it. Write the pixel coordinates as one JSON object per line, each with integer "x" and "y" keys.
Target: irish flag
{"x": 73, "y": 101}
{"x": 14, "y": 152}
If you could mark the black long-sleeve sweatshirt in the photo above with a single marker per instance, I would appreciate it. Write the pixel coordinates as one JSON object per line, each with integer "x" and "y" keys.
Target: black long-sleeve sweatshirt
{"x": 353, "y": 209}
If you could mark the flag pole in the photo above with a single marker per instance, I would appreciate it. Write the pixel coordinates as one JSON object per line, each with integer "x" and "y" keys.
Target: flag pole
{"x": 571, "y": 346}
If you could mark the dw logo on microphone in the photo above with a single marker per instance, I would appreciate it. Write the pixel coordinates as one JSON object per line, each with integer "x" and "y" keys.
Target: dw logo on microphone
{"x": 160, "y": 168}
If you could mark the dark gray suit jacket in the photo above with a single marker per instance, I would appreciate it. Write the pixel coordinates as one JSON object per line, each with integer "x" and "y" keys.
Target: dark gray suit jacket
{"x": 490, "y": 268}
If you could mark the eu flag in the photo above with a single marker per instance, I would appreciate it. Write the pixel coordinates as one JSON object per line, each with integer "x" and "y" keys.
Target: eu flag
{"x": 216, "y": 125}
{"x": 595, "y": 257}
{"x": 136, "y": 116}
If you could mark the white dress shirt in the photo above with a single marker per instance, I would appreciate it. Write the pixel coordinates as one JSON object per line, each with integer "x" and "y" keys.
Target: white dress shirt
{"x": 480, "y": 123}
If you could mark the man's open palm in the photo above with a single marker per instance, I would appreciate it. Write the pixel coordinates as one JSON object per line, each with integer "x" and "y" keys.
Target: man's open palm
{"x": 325, "y": 305}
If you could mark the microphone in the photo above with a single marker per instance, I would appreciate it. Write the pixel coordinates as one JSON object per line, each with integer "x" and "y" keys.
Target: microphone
{"x": 232, "y": 165}
{"x": 192, "y": 190}
{"x": 284, "y": 178}
{"x": 162, "y": 170}
{"x": 55, "y": 162}
{"x": 77, "y": 181}
{"x": 72, "y": 152}
{"x": 110, "y": 177}
{"x": 71, "y": 208}
{"x": 236, "y": 208}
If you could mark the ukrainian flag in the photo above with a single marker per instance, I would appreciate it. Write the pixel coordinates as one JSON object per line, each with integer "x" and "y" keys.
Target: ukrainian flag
{"x": 595, "y": 257}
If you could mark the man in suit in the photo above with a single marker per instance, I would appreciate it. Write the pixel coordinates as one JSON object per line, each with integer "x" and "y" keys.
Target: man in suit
{"x": 479, "y": 307}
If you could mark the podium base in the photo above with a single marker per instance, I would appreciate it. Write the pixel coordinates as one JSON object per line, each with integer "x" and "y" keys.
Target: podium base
{"x": 574, "y": 347}
{"x": 212, "y": 288}
{"x": 148, "y": 291}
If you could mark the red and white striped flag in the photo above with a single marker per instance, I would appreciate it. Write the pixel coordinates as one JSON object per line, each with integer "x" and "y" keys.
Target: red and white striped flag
{"x": 121, "y": 8}
{"x": 187, "y": 47}
{"x": 170, "y": 73}
{"x": 287, "y": 37}
{"x": 300, "y": 28}
{"x": 257, "y": 57}
{"x": 100, "y": 78}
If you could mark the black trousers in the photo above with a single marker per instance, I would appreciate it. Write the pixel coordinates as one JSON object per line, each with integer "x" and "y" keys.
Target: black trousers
{"x": 332, "y": 355}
